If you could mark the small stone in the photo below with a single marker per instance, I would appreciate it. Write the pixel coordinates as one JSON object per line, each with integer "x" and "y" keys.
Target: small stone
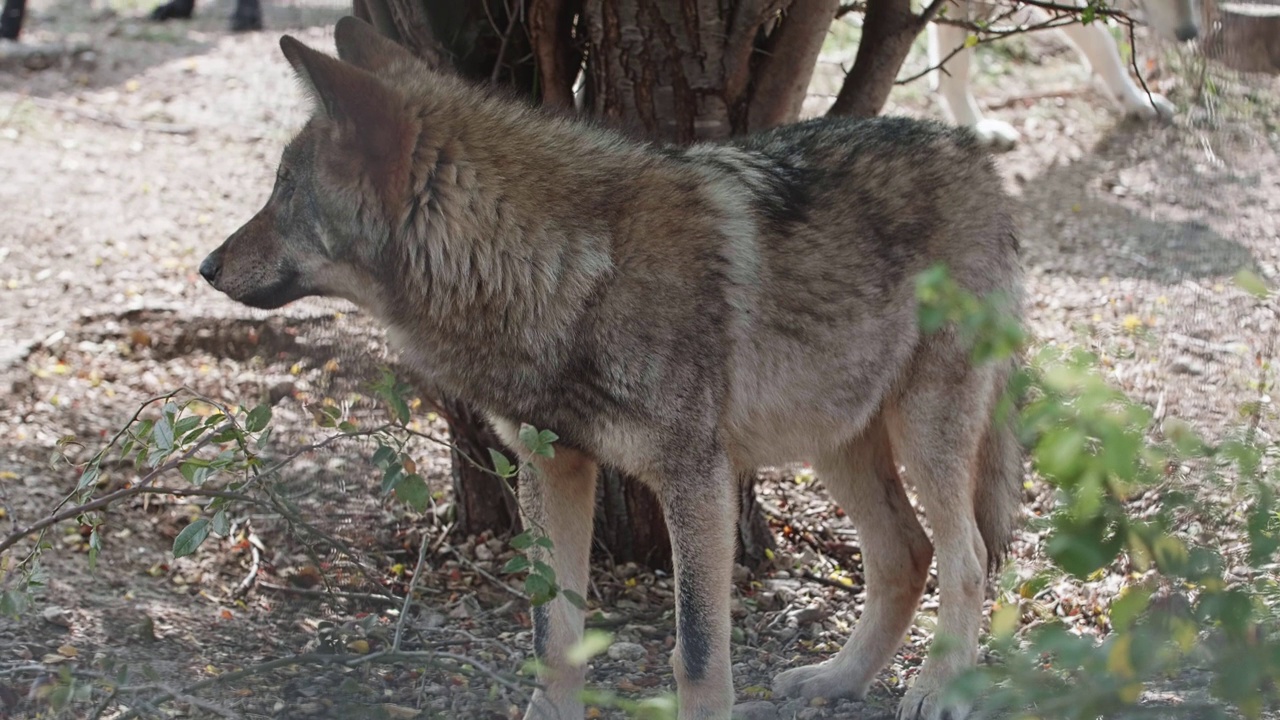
{"x": 811, "y": 614}
{"x": 626, "y": 652}
{"x": 56, "y": 615}
{"x": 1186, "y": 365}
{"x": 755, "y": 710}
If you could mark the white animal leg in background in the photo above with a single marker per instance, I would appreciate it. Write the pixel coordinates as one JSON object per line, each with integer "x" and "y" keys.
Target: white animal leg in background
{"x": 1098, "y": 48}
{"x": 951, "y": 83}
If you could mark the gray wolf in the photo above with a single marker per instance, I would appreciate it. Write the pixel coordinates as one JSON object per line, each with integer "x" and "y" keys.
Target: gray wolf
{"x": 1169, "y": 19}
{"x": 681, "y": 314}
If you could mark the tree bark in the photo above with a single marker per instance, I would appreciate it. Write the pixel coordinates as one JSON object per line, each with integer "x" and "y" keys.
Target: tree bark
{"x": 782, "y": 80}
{"x": 483, "y": 500}
{"x": 888, "y": 32}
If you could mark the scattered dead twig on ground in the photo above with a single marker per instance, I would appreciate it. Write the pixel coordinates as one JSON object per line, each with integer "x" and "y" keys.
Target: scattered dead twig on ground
{"x": 108, "y": 119}
{"x": 339, "y": 594}
{"x": 254, "y": 563}
{"x": 408, "y": 594}
{"x": 486, "y": 574}
{"x": 198, "y": 703}
{"x": 806, "y": 575}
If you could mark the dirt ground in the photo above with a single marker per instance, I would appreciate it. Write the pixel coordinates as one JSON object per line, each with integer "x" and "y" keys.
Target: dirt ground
{"x": 123, "y": 166}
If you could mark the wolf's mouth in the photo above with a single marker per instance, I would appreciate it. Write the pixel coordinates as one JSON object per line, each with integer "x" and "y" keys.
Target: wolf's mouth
{"x": 278, "y": 294}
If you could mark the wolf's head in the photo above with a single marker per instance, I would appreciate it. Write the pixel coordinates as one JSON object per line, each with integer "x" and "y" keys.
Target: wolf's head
{"x": 341, "y": 182}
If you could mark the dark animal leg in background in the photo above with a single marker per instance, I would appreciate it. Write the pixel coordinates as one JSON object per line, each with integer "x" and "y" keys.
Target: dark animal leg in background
{"x": 11, "y": 19}
{"x": 179, "y": 9}
{"x": 248, "y": 16}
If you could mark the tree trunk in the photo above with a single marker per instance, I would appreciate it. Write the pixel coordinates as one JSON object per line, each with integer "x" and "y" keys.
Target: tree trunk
{"x": 483, "y": 500}
{"x": 675, "y": 71}
{"x": 888, "y": 32}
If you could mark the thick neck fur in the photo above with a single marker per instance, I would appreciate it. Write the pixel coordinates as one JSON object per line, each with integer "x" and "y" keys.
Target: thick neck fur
{"x": 506, "y": 238}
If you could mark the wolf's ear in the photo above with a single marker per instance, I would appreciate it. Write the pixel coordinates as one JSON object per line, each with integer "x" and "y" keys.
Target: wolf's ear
{"x": 360, "y": 44}
{"x": 353, "y": 97}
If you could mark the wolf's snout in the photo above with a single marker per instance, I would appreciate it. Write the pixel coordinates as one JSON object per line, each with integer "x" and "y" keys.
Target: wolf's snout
{"x": 211, "y": 268}
{"x": 1187, "y": 32}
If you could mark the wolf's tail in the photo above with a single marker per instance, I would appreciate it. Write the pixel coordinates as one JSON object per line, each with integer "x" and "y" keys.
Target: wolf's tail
{"x": 998, "y": 496}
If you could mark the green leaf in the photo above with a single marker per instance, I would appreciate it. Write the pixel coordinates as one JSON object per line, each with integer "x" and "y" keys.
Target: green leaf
{"x": 529, "y": 437}
{"x": 1060, "y": 453}
{"x": 391, "y": 477}
{"x": 1249, "y": 281}
{"x": 545, "y": 571}
{"x": 523, "y": 541}
{"x": 162, "y": 434}
{"x": 191, "y": 537}
{"x": 95, "y": 547}
{"x": 539, "y": 590}
{"x": 574, "y": 599}
{"x": 89, "y": 476}
{"x": 516, "y": 564}
{"x": 221, "y": 523}
{"x": 501, "y": 464}
{"x": 195, "y": 470}
{"x": 1005, "y": 620}
{"x": 258, "y": 418}
{"x": 593, "y": 643}
{"x": 1126, "y": 608}
{"x": 544, "y": 542}
{"x": 412, "y": 491}
{"x": 546, "y": 443}
{"x": 186, "y": 425}
{"x": 384, "y": 455}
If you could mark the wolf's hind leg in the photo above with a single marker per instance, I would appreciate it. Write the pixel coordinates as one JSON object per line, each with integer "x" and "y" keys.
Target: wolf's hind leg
{"x": 863, "y": 479}
{"x": 936, "y": 429}
{"x": 557, "y": 498}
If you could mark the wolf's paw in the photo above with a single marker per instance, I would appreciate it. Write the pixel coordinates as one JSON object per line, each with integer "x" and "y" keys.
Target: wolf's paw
{"x": 544, "y": 707}
{"x": 1155, "y": 107}
{"x": 996, "y": 134}
{"x": 825, "y": 680}
{"x": 924, "y": 701}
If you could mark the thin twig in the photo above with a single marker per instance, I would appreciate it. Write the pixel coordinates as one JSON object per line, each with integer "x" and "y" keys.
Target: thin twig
{"x": 106, "y": 500}
{"x": 489, "y": 576}
{"x": 254, "y": 563}
{"x": 408, "y": 595}
{"x": 198, "y": 703}
{"x": 806, "y": 575}
{"x": 990, "y": 35}
{"x": 340, "y": 594}
{"x": 1133, "y": 60}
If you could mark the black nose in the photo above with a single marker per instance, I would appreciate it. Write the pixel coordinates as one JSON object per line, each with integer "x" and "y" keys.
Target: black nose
{"x": 1187, "y": 32}
{"x": 211, "y": 267}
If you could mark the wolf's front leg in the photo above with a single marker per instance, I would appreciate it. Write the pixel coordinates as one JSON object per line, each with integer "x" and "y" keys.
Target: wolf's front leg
{"x": 698, "y": 500}
{"x": 557, "y": 499}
